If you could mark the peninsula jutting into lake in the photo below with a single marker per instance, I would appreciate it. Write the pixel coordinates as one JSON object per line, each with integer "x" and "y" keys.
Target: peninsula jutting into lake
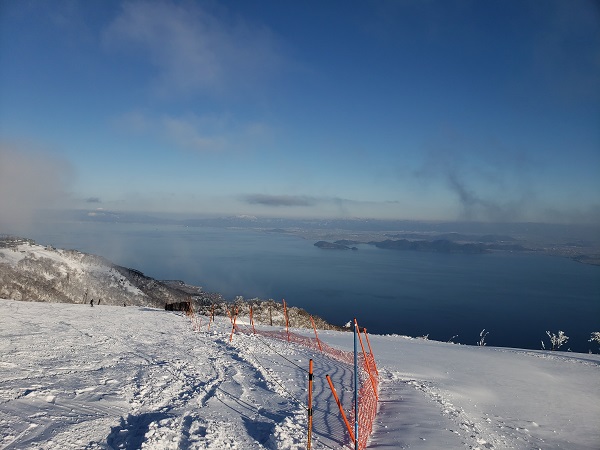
{"x": 436, "y": 246}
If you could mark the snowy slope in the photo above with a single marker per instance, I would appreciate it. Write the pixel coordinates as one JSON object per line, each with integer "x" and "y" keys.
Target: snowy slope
{"x": 33, "y": 272}
{"x": 106, "y": 377}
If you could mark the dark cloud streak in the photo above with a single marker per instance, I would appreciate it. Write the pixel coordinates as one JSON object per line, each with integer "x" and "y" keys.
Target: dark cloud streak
{"x": 491, "y": 181}
{"x": 475, "y": 207}
{"x": 279, "y": 200}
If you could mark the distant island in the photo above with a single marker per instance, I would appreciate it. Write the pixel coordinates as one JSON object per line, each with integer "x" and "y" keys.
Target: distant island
{"x": 333, "y": 246}
{"x": 593, "y": 260}
{"x": 433, "y": 246}
{"x": 455, "y": 237}
{"x": 437, "y": 246}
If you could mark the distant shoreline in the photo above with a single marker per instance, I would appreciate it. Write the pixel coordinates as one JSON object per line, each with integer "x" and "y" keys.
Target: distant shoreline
{"x": 579, "y": 242}
{"x": 447, "y": 246}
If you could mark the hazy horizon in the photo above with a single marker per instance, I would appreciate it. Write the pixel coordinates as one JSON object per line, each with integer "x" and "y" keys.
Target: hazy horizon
{"x": 53, "y": 221}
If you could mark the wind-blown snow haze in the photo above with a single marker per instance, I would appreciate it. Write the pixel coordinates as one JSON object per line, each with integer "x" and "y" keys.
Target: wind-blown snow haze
{"x": 30, "y": 180}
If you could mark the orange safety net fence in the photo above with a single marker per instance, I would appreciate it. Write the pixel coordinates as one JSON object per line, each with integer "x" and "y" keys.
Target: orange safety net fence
{"x": 368, "y": 376}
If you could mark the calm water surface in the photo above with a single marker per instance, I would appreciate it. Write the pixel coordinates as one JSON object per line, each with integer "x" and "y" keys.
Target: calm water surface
{"x": 516, "y": 297}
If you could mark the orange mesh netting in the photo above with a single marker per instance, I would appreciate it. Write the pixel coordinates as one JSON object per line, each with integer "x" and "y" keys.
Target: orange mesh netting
{"x": 368, "y": 380}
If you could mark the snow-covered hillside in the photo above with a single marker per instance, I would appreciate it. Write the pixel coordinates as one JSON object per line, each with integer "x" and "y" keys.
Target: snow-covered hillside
{"x": 33, "y": 272}
{"x": 107, "y": 377}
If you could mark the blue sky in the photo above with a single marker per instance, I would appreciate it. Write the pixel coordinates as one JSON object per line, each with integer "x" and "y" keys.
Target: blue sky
{"x": 430, "y": 110}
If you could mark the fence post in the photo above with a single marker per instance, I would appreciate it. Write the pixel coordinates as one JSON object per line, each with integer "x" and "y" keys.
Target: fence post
{"x": 355, "y": 389}
{"x": 193, "y": 317}
{"x": 212, "y": 316}
{"x": 287, "y": 322}
{"x": 252, "y": 320}
{"x": 233, "y": 325}
{"x": 366, "y": 360}
{"x": 316, "y": 335}
{"x": 371, "y": 352}
{"x": 337, "y": 400}
{"x": 310, "y": 410}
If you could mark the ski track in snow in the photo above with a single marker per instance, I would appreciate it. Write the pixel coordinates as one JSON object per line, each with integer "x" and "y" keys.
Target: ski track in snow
{"x": 110, "y": 377}
{"x": 146, "y": 380}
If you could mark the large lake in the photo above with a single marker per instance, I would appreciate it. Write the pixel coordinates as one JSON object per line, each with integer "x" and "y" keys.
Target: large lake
{"x": 516, "y": 297}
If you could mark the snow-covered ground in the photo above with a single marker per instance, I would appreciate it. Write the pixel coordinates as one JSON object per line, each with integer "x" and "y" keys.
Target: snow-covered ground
{"x": 72, "y": 376}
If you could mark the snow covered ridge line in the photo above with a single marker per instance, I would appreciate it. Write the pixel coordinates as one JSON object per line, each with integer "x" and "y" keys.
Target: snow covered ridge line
{"x": 36, "y": 273}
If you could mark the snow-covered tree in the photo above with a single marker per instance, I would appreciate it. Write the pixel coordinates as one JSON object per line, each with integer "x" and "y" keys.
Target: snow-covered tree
{"x": 482, "y": 337}
{"x": 556, "y": 340}
{"x": 595, "y": 337}
{"x": 451, "y": 340}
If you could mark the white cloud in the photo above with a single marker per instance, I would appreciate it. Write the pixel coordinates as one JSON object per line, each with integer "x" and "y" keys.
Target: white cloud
{"x": 202, "y": 133}
{"x": 189, "y": 133}
{"x": 133, "y": 122}
{"x": 193, "y": 50}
